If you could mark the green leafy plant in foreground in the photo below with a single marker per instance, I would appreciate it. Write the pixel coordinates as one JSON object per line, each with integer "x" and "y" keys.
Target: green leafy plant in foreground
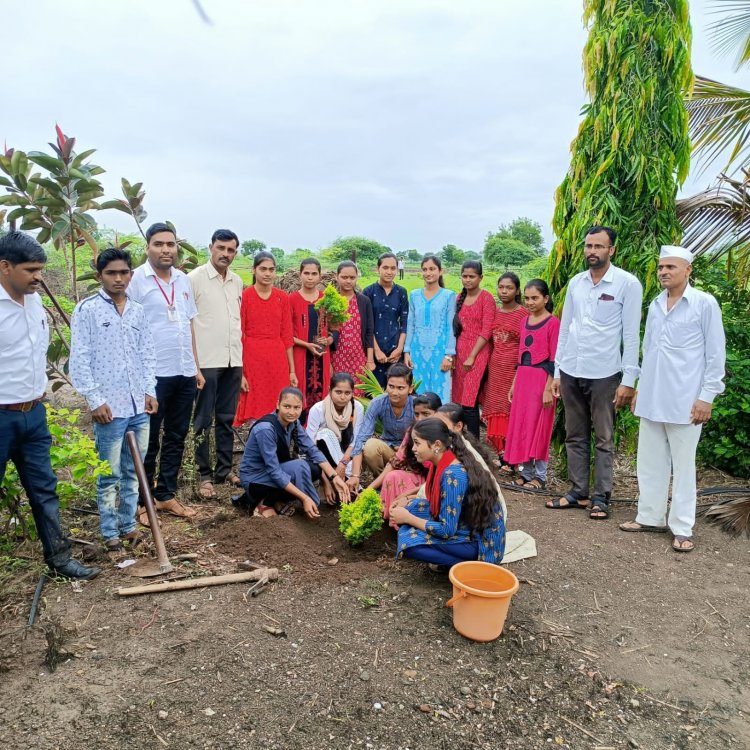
{"x": 362, "y": 518}
{"x": 333, "y": 307}
{"x": 74, "y": 460}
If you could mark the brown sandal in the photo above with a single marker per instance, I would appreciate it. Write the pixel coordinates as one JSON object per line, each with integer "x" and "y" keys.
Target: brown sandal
{"x": 206, "y": 490}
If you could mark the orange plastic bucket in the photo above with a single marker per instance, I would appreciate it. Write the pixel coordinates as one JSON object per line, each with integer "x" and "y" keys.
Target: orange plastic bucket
{"x": 481, "y": 597}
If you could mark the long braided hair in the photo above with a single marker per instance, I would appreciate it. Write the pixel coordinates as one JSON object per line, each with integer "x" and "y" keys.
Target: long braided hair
{"x": 481, "y": 501}
{"x": 469, "y": 265}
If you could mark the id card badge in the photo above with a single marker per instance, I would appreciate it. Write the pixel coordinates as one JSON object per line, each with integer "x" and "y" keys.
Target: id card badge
{"x": 172, "y": 315}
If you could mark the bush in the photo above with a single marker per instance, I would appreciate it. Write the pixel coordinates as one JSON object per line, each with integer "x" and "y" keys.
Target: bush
{"x": 725, "y": 438}
{"x": 362, "y": 518}
{"x": 74, "y": 460}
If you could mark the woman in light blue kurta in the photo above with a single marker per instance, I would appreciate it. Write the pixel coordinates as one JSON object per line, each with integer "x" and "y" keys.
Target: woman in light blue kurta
{"x": 430, "y": 342}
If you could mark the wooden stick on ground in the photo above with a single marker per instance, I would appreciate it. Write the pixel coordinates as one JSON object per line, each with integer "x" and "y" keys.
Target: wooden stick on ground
{"x": 198, "y": 583}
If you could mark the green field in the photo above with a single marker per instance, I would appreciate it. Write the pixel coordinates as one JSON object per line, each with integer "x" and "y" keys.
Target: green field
{"x": 413, "y": 279}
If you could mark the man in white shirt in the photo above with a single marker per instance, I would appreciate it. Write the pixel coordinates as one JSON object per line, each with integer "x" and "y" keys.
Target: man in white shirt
{"x": 24, "y": 436}
{"x": 218, "y": 342}
{"x": 167, "y": 299}
{"x": 684, "y": 353}
{"x": 596, "y": 367}
{"x": 113, "y": 366}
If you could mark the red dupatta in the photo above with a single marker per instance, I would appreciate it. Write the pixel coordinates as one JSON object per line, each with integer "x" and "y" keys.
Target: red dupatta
{"x": 434, "y": 475}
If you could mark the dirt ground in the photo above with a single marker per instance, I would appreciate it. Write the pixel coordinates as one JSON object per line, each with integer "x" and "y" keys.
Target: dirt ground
{"x": 613, "y": 641}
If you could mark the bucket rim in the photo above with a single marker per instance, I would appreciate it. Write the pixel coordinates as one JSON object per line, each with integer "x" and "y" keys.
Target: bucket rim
{"x": 480, "y": 592}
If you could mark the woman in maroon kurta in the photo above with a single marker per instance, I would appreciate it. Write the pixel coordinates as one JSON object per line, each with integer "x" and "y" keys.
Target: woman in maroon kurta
{"x": 506, "y": 330}
{"x": 475, "y": 313}
{"x": 267, "y": 360}
{"x": 312, "y": 358}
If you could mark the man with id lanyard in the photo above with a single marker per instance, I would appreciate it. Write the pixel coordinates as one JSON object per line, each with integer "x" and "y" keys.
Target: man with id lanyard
{"x": 167, "y": 299}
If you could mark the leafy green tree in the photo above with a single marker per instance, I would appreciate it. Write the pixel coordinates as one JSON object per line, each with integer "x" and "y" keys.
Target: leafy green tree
{"x": 505, "y": 252}
{"x": 278, "y": 253}
{"x": 451, "y": 255}
{"x": 361, "y": 250}
{"x": 632, "y": 149}
{"x": 413, "y": 255}
{"x": 472, "y": 255}
{"x": 252, "y": 247}
{"x": 57, "y": 203}
{"x": 524, "y": 230}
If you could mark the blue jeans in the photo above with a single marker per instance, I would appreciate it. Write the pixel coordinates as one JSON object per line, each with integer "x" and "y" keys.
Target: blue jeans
{"x": 25, "y": 440}
{"x": 534, "y": 470}
{"x": 112, "y": 446}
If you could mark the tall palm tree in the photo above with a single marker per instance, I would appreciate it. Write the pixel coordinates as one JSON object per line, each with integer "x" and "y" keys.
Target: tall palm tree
{"x": 717, "y": 220}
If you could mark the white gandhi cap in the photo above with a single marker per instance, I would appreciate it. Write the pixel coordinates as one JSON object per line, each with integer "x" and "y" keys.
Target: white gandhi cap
{"x": 675, "y": 251}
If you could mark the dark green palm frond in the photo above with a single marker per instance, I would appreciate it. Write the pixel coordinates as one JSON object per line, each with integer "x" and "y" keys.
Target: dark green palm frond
{"x": 719, "y": 120}
{"x": 731, "y": 32}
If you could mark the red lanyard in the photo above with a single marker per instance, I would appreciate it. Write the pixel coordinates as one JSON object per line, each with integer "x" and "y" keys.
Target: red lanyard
{"x": 170, "y": 303}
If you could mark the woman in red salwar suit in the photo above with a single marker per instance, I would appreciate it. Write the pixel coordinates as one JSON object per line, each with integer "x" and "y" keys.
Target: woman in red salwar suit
{"x": 267, "y": 360}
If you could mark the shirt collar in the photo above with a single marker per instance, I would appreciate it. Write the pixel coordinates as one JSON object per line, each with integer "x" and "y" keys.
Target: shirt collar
{"x": 689, "y": 294}
{"x": 607, "y": 276}
{"x": 4, "y": 295}
{"x": 212, "y": 272}
{"x": 109, "y": 299}
{"x": 148, "y": 270}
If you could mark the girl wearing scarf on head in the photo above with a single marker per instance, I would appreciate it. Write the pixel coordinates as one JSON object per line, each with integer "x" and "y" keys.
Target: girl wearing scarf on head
{"x": 333, "y": 425}
{"x": 461, "y": 517}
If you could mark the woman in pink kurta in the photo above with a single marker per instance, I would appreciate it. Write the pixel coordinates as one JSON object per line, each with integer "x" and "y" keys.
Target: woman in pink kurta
{"x": 532, "y": 411}
{"x": 475, "y": 314}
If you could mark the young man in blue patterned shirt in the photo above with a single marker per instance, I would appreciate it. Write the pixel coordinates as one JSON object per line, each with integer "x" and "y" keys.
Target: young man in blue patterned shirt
{"x": 113, "y": 365}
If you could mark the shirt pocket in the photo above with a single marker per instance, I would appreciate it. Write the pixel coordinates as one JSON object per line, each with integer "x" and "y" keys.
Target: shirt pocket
{"x": 608, "y": 312}
{"x": 684, "y": 334}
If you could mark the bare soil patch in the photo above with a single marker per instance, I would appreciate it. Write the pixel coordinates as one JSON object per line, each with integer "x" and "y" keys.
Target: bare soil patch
{"x": 613, "y": 641}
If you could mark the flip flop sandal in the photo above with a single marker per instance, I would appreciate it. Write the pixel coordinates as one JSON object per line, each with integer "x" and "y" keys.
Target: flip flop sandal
{"x": 143, "y": 517}
{"x": 504, "y": 469}
{"x": 679, "y": 541}
{"x": 206, "y": 490}
{"x": 175, "y": 508}
{"x": 599, "y": 510}
{"x": 534, "y": 484}
{"x": 233, "y": 479}
{"x": 572, "y": 502}
{"x": 114, "y": 545}
{"x": 635, "y": 527}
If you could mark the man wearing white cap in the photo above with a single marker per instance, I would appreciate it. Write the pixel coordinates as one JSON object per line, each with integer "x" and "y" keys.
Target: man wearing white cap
{"x": 681, "y": 374}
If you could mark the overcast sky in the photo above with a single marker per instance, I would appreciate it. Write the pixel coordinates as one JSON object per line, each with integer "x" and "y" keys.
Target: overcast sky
{"x": 414, "y": 122}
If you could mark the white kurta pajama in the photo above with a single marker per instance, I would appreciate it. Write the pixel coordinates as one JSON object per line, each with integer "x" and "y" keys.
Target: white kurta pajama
{"x": 683, "y": 361}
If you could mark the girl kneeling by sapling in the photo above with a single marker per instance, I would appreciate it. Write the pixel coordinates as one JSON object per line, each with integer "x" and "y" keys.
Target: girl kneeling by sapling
{"x": 461, "y": 518}
{"x": 274, "y": 476}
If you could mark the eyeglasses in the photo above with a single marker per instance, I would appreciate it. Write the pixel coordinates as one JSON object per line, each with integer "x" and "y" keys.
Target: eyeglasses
{"x": 597, "y": 248}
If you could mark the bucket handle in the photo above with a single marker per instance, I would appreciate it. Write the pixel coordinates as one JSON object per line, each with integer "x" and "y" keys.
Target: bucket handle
{"x": 460, "y": 595}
